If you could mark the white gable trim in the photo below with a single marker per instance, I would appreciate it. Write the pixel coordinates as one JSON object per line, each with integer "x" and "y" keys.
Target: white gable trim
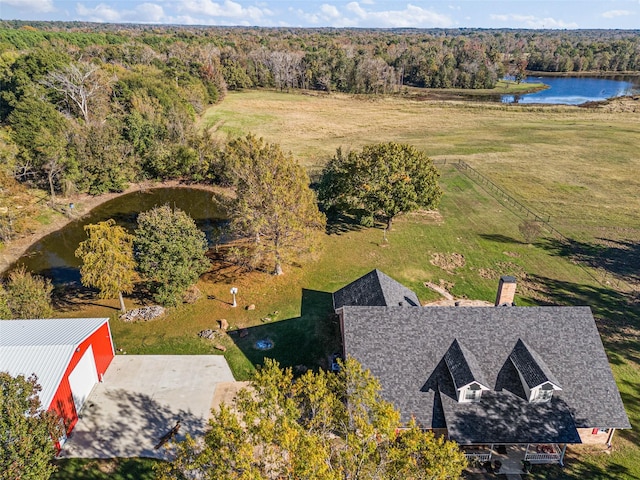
{"x": 44, "y": 347}
{"x": 482, "y": 387}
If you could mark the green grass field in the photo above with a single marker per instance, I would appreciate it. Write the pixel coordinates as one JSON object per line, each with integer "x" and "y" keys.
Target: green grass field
{"x": 113, "y": 469}
{"x": 576, "y": 165}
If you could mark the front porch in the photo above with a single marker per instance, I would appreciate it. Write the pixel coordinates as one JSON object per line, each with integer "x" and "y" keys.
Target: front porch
{"x": 508, "y": 459}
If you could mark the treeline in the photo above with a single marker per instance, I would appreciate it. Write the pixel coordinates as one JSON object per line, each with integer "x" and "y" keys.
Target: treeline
{"x": 90, "y": 108}
{"x": 76, "y": 121}
{"x": 352, "y": 60}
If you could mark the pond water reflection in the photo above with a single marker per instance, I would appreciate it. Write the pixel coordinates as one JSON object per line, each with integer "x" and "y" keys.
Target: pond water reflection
{"x": 53, "y": 256}
{"x": 576, "y": 90}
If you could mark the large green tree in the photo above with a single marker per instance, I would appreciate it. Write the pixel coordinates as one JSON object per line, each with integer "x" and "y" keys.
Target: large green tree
{"x": 26, "y": 295}
{"x": 170, "y": 252}
{"x": 322, "y": 426}
{"x": 107, "y": 260}
{"x": 26, "y": 431}
{"x": 383, "y": 180}
{"x": 41, "y": 135}
{"x": 274, "y": 205}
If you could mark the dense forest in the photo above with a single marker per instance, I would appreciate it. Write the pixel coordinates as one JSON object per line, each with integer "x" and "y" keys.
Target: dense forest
{"x": 91, "y": 107}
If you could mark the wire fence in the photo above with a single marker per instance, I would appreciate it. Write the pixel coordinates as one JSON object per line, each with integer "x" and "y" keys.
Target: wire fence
{"x": 502, "y": 195}
{"x": 601, "y": 275}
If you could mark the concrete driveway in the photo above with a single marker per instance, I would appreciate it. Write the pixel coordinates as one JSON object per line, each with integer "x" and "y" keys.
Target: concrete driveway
{"x": 141, "y": 399}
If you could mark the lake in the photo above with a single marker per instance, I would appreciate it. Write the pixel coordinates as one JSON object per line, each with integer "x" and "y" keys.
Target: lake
{"x": 576, "y": 90}
{"x": 53, "y": 256}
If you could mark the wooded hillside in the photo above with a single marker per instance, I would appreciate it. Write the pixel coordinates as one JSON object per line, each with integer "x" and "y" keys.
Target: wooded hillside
{"x": 91, "y": 107}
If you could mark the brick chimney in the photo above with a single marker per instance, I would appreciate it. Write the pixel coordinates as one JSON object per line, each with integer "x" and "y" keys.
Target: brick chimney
{"x": 506, "y": 291}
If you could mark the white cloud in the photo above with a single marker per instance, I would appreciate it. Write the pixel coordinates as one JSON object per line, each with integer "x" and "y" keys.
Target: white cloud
{"x": 150, "y": 12}
{"x": 142, "y": 13}
{"x": 618, "y": 13}
{"x": 329, "y": 11}
{"x": 328, "y": 15}
{"x": 410, "y": 16}
{"x": 356, "y": 14}
{"x": 99, "y": 13}
{"x": 228, "y": 9}
{"x": 39, "y": 6}
{"x": 531, "y": 21}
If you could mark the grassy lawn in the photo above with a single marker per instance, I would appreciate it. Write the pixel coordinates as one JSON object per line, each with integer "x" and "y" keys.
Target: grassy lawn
{"x": 503, "y": 87}
{"x": 293, "y": 310}
{"x": 113, "y": 469}
{"x": 575, "y": 164}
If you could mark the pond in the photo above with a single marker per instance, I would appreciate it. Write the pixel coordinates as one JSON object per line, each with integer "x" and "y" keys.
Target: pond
{"x": 577, "y": 90}
{"x": 53, "y": 256}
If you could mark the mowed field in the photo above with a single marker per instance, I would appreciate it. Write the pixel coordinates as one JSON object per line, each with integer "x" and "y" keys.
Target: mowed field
{"x": 576, "y": 165}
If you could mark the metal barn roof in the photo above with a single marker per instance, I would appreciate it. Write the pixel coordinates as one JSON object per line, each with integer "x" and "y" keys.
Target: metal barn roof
{"x": 43, "y": 347}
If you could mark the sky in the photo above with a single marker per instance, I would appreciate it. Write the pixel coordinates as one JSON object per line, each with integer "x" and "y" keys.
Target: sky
{"x": 539, "y": 14}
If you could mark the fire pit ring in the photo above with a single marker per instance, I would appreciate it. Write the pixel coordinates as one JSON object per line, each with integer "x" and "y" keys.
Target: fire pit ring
{"x": 264, "y": 344}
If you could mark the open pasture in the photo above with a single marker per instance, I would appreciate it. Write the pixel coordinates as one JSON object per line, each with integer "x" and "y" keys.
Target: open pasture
{"x": 576, "y": 165}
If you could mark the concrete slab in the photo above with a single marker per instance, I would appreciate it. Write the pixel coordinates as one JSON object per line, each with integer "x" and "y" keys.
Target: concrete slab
{"x": 141, "y": 399}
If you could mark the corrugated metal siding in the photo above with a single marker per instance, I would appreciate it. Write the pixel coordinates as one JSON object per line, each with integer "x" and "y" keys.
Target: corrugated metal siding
{"x": 53, "y": 331}
{"x": 102, "y": 348}
{"x": 62, "y": 403}
{"x": 101, "y": 343}
{"x": 48, "y": 349}
{"x": 48, "y": 362}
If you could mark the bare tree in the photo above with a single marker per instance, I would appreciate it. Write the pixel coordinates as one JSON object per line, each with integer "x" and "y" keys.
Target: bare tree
{"x": 79, "y": 83}
{"x": 374, "y": 75}
{"x": 286, "y": 68}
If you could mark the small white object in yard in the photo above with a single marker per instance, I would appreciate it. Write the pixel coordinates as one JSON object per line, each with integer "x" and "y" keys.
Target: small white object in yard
{"x": 234, "y": 291}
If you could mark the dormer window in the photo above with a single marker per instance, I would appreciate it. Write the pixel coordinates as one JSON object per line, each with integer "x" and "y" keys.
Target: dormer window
{"x": 465, "y": 373}
{"x": 473, "y": 393}
{"x": 537, "y": 380}
{"x": 542, "y": 393}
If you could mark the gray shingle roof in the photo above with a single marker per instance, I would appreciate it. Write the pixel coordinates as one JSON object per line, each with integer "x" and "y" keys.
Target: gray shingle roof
{"x": 463, "y": 366}
{"x": 405, "y": 348}
{"x": 531, "y": 366}
{"x": 507, "y": 418}
{"x": 375, "y": 289}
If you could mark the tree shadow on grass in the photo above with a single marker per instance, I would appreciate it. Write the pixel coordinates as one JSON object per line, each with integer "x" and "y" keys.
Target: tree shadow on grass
{"x": 618, "y": 319}
{"x": 498, "y": 238}
{"x": 340, "y": 223}
{"x": 105, "y": 469}
{"x": 303, "y": 342}
{"x": 577, "y": 469}
{"x": 69, "y": 298}
{"x": 618, "y": 257}
{"x": 74, "y": 297}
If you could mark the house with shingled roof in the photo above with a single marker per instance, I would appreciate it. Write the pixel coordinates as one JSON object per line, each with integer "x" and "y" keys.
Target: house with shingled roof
{"x": 532, "y": 379}
{"x": 375, "y": 289}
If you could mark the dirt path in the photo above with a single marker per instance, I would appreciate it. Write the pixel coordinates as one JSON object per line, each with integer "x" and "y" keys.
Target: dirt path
{"x": 82, "y": 204}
